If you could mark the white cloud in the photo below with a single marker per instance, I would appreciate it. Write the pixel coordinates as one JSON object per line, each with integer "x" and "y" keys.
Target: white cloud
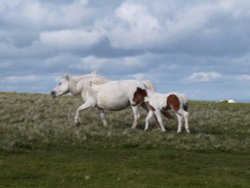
{"x": 119, "y": 64}
{"x": 243, "y": 60}
{"x": 244, "y": 77}
{"x": 5, "y": 65}
{"x": 134, "y": 26}
{"x": 238, "y": 9}
{"x": 70, "y": 39}
{"x": 138, "y": 25}
{"x": 138, "y": 76}
{"x": 20, "y": 79}
{"x": 41, "y": 14}
{"x": 27, "y": 79}
{"x": 203, "y": 77}
{"x": 127, "y": 12}
{"x": 131, "y": 25}
{"x": 149, "y": 30}
{"x": 90, "y": 63}
{"x": 136, "y": 61}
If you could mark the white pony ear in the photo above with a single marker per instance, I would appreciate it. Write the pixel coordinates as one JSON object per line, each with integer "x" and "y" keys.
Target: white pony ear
{"x": 93, "y": 73}
{"x": 90, "y": 83}
{"x": 67, "y": 77}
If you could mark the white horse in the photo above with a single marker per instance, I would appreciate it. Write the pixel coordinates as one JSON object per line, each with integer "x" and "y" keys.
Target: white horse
{"x": 103, "y": 94}
{"x": 161, "y": 104}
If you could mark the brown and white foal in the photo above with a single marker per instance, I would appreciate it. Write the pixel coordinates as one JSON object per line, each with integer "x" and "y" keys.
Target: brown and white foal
{"x": 161, "y": 104}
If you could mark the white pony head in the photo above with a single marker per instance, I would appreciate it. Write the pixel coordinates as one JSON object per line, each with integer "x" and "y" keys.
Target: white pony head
{"x": 62, "y": 88}
{"x": 77, "y": 84}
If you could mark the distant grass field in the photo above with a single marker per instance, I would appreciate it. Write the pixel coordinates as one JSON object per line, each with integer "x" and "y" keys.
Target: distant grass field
{"x": 41, "y": 147}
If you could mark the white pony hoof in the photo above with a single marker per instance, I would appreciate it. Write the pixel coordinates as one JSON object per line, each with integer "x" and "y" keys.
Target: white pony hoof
{"x": 164, "y": 130}
{"x": 133, "y": 126}
{"x": 77, "y": 122}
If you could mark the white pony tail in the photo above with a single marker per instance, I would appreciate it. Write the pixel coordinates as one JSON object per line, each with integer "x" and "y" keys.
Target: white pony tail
{"x": 149, "y": 85}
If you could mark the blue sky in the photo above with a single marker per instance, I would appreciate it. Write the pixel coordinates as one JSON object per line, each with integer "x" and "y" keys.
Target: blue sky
{"x": 200, "y": 48}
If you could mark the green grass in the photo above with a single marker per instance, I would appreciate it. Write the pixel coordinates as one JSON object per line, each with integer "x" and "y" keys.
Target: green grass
{"x": 96, "y": 166}
{"x": 41, "y": 147}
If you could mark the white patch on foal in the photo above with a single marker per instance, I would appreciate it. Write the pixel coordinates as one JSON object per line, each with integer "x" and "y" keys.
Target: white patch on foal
{"x": 159, "y": 104}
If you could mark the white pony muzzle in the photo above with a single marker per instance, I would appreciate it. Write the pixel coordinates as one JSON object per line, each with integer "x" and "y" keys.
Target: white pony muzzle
{"x": 53, "y": 94}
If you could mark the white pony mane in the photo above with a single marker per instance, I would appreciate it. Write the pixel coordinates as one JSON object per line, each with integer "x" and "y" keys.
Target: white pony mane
{"x": 93, "y": 78}
{"x": 78, "y": 82}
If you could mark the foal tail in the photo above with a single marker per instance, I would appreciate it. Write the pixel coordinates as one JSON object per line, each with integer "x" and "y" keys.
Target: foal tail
{"x": 185, "y": 106}
{"x": 184, "y": 101}
{"x": 167, "y": 114}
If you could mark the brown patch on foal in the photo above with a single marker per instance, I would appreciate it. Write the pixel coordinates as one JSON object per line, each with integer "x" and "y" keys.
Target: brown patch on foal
{"x": 173, "y": 102}
{"x": 139, "y": 96}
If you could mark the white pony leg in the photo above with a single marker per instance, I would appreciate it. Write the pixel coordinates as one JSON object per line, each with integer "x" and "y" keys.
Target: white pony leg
{"x": 103, "y": 118}
{"x": 79, "y": 109}
{"x": 159, "y": 119}
{"x": 149, "y": 116}
{"x": 136, "y": 115}
{"x": 180, "y": 122}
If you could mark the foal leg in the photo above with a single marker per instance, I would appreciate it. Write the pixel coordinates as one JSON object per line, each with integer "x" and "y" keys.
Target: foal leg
{"x": 180, "y": 122}
{"x": 145, "y": 106}
{"x": 159, "y": 119}
{"x": 185, "y": 114}
{"x": 79, "y": 109}
{"x": 136, "y": 115}
{"x": 149, "y": 116}
{"x": 103, "y": 118}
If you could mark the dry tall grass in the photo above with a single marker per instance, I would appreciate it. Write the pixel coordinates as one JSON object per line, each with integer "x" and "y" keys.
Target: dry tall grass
{"x": 35, "y": 120}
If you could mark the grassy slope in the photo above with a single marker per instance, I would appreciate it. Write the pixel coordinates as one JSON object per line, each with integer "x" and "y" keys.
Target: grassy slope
{"x": 40, "y": 146}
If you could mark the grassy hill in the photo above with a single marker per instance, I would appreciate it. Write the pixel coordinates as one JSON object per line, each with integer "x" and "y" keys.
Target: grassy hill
{"x": 40, "y": 146}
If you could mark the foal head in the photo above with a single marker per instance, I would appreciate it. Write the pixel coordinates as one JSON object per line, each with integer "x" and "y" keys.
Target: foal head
{"x": 139, "y": 96}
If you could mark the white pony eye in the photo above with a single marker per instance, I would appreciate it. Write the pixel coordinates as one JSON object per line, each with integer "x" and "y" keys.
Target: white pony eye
{"x": 60, "y": 83}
